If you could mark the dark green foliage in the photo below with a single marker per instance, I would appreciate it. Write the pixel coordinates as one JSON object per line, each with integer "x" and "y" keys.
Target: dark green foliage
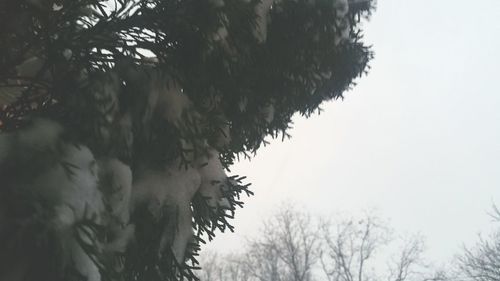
{"x": 55, "y": 54}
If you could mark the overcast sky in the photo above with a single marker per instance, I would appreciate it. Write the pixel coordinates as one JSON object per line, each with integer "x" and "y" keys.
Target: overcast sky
{"x": 418, "y": 139}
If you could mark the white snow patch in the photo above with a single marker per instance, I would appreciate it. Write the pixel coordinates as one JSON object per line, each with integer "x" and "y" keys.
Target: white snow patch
{"x": 217, "y": 3}
{"x": 73, "y": 183}
{"x": 167, "y": 97}
{"x": 105, "y": 92}
{"x": 344, "y": 27}
{"x": 124, "y": 133}
{"x": 341, "y": 7}
{"x": 262, "y": 19}
{"x": 41, "y": 135}
{"x": 242, "y": 104}
{"x": 220, "y": 34}
{"x": 173, "y": 187}
{"x": 30, "y": 67}
{"x": 82, "y": 262}
{"x": 342, "y": 24}
{"x": 123, "y": 236}
{"x": 56, "y": 7}
{"x": 223, "y": 134}
{"x": 70, "y": 185}
{"x": 224, "y": 203}
{"x": 212, "y": 178}
{"x": 267, "y": 113}
{"x": 67, "y": 54}
{"x": 64, "y": 216}
{"x": 116, "y": 184}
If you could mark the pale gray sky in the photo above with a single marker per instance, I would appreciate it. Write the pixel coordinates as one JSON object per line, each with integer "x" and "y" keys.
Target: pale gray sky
{"x": 418, "y": 139}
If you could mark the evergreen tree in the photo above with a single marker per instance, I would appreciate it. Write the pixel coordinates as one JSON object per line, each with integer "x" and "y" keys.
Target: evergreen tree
{"x": 120, "y": 119}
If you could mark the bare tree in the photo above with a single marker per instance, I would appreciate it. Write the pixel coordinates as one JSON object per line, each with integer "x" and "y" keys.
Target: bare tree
{"x": 442, "y": 275}
{"x": 350, "y": 249}
{"x": 287, "y": 248}
{"x": 211, "y": 267}
{"x": 482, "y": 262}
{"x": 407, "y": 263}
{"x": 223, "y": 268}
{"x": 348, "y": 246}
{"x": 263, "y": 261}
{"x": 235, "y": 271}
{"x": 293, "y": 246}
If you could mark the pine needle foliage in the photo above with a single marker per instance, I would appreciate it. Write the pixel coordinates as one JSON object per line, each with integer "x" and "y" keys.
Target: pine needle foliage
{"x": 105, "y": 69}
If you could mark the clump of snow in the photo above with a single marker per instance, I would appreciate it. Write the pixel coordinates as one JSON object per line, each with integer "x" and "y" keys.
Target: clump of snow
{"x": 68, "y": 181}
{"x": 172, "y": 187}
{"x": 41, "y": 135}
{"x": 105, "y": 91}
{"x": 343, "y": 31}
{"x": 187, "y": 147}
{"x": 242, "y": 104}
{"x": 122, "y": 237}
{"x": 115, "y": 182}
{"x": 151, "y": 59}
{"x": 67, "y": 54}
{"x": 262, "y": 19}
{"x": 123, "y": 136}
{"x": 72, "y": 183}
{"x": 56, "y": 7}
{"x": 217, "y": 3}
{"x": 64, "y": 216}
{"x": 212, "y": 178}
{"x": 82, "y": 262}
{"x": 223, "y": 134}
{"x": 167, "y": 98}
{"x": 342, "y": 25}
{"x": 30, "y": 67}
{"x": 267, "y": 113}
{"x": 219, "y": 37}
{"x": 220, "y": 34}
{"x": 341, "y": 7}
{"x": 183, "y": 235}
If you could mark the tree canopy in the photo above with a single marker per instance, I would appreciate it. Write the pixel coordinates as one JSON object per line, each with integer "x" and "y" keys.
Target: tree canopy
{"x": 120, "y": 118}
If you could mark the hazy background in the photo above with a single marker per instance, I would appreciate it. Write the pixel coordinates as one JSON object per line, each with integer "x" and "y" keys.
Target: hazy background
{"x": 418, "y": 139}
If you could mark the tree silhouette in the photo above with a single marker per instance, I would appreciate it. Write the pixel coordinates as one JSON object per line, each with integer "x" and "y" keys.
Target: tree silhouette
{"x": 293, "y": 245}
{"x": 482, "y": 262}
